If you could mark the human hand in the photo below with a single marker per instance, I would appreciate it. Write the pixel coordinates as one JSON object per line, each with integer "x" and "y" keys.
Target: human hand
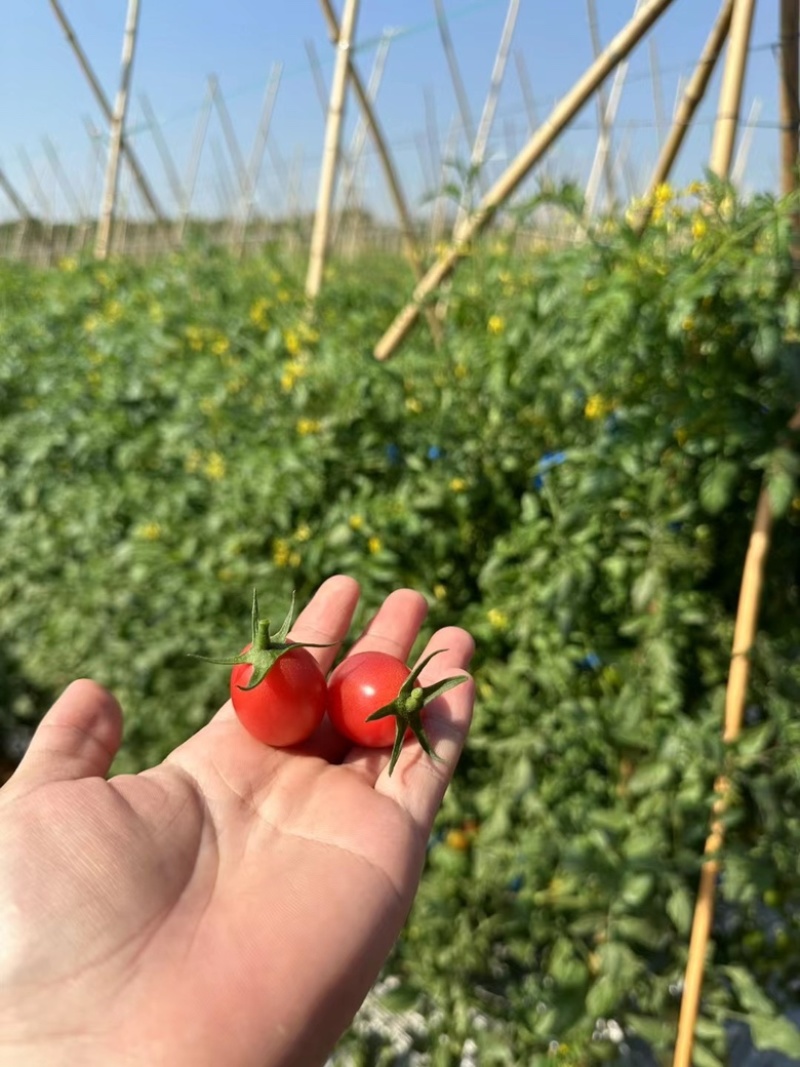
{"x": 232, "y": 905}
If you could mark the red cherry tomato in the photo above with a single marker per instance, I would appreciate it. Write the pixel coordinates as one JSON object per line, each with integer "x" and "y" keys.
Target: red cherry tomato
{"x": 361, "y": 684}
{"x": 288, "y": 705}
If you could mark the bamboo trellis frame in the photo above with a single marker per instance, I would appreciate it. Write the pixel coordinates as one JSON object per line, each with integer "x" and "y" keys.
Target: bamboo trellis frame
{"x": 198, "y": 141}
{"x": 103, "y": 238}
{"x": 563, "y": 113}
{"x": 105, "y": 106}
{"x": 730, "y": 97}
{"x": 253, "y": 169}
{"x": 330, "y": 152}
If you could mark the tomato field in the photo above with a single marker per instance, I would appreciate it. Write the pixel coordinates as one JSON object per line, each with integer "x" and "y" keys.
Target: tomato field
{"x": 571, "y": 476}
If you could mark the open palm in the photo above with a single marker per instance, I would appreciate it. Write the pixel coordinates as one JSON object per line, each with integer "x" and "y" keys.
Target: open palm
{"x": 232, "y": 905}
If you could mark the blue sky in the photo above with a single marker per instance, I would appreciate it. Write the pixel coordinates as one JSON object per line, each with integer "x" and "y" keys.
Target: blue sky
{"x": 45, "y": 97}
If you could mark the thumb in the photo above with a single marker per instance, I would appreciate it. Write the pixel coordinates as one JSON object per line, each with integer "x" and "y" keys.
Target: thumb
{"x": 77, "y": 738}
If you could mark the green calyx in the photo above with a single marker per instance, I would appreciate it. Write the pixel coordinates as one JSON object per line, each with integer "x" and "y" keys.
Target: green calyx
{"x": 408, "y": 705}
{"x": 266, "y": 648}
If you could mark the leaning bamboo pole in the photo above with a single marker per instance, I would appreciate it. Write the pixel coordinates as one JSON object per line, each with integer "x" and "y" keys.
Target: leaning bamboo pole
{"x": 730, "y": 97}
{"x": 330, "y": 153}
{"x": 103, "y": 237}
{"x": 789, "y": 92}
{"x": 198, "y": 141}
{"x": 478, "y": 156}
{"x": 563, "y": 113}
{"x": 602, "y": 164}
{"x": 689, "y": 102}
{"x": 235, "y": 152}
{"x": 167, "y": 162}
{"x": 105, "y": 107}
{"x": 352, "y": 162}
{"x": 17, "y": 202}
{"x": 735, "y": 698}
{"x": 462, "y": 100}
{"x": 739, "y": 167}
{"x": 256, "y": 159}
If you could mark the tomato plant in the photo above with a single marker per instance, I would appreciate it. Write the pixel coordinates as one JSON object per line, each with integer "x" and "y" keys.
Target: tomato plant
{"x": 375, "y": 700}
{"x": 277, "y": 688}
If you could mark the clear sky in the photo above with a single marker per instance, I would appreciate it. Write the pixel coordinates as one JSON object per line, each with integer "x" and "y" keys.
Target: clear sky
{"x": 46, "y": 101}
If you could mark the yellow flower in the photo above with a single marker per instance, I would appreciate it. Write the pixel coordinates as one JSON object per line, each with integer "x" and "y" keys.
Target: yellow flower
{"x": 306, "y": 427}
{"x": 155, "y": 313}
{"x": 460, "y": 371}
{"x": 413, "y": 405}
{"x": 308, "y": 334}
{"x": 699, "y": 227}
{"x": 374, "y": 545}
{"x": 291, "y": 338}
{"x": 284, "y": 296}
{"x": 681, "y": 436}
{"x": 458, "y": 485}
{"x": 259, "y": 313}
{"x": 274, "y": 277}
{"x": 68, "y": 264}
{"x": 220, "y": 345}
{"x": 149, "y": 531}
{"x": 214, "y": 467}
{"x": 194, "y": 335}
{"x": 496, "y": 324}
{"x": 91, "y": 322}
{"x": 104, "y": 278}
{"x": 597, "y": 407}
{"x": 208, "y": 405}
{"x": 440, "y": 591}
{"x": 94, "y": 378}
{"x": 356, "y": 522}
{"x": 303, "y": 532}
{"x": 688, "y": 324}
{"x": 695, "y": 188}
{"x": 281, "y": 553}
{"x": 498, "y": 620}
{"x": 663, "y": 193}
{"x": 113, "y": 311}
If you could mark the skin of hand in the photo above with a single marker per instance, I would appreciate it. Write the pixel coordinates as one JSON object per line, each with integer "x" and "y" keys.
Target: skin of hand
{"x": 232, "y": 905}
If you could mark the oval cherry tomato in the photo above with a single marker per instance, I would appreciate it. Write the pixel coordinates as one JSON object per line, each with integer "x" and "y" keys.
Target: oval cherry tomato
{"x": 361, "y": 684}
{"x": 288, "y": 705}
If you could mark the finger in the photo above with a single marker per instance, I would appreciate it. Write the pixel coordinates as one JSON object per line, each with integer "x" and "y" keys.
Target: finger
{"x": 77, "y": 738}
{"x": 395, "y": 625}
{"x": 327, "y": 618}
{"x": 418, "y": 783}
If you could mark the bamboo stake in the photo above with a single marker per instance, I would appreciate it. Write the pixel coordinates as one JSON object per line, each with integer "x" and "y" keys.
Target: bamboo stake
{"x": 432, "y": 129}
{"x": 43, "y": 201}
{"x": 735, "y": 697}
{"x": 198, "y": 142}
{"x": 105, "y": 107}
{"x": 353, "y": 158}
{"x": 16, "y": 200}
{"x": 61, "y": 178}
{"x": 563, "y": 113}
{"x": 240, "y": 170}
{"x": 316, "y": 70}
{"x": 689, "y": 103}
{"x": 730, "y": 97}
{"x": 330, "y": 154}
{"x": 438, "y": 219}
{"x": 462, "y": 100}
{"x": 789, "y": 95}
{"x": 478, "y": 156}
{"x": 789, "y": 91}
{"x": 658, "y": 93}
{"x": 162, "y": 148}
{"x": 602, "y": 162}
{"x": 103, "y": 237}
{"x": 256, "y": 158}
{"x": 224, "y": 182}
{"x": 743, "y": 151}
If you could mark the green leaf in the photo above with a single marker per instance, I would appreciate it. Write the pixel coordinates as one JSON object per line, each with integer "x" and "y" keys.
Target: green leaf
{"x": 680, "y": 909}
{"x": 605, "y": 996}
{"x": 716, "y": 489}
{"x": 776, "y": 1034}
{"x": 751, "y": 996}
{"x": 702, "y": 1056}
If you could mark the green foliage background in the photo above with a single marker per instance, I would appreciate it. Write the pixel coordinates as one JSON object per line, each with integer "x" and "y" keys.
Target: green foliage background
{"x": 572, "y": 477}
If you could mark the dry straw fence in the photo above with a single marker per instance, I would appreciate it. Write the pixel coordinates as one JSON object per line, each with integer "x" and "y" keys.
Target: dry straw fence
{"x": 729, "y": 34}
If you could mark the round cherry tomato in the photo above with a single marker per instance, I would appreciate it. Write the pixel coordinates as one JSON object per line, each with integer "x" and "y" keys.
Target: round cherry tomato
{"x": 361, "y": 684}
{"x": 288, "y": 705}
